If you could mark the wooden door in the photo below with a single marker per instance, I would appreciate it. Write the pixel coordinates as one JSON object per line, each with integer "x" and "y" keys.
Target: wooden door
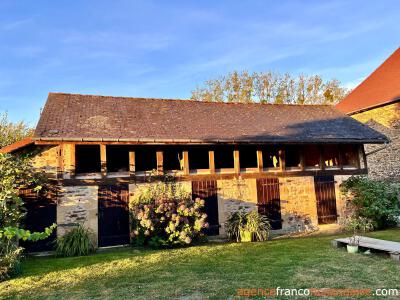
{"x": 269, "y": 200}
{"x": 113, "y": 215}
{"x": 207, "y": 190}
{"x": 326, "y": 199}
{"x": 41, "y": 212}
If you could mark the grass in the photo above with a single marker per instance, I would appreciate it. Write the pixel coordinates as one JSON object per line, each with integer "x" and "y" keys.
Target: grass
{"x": 212, "y": 271}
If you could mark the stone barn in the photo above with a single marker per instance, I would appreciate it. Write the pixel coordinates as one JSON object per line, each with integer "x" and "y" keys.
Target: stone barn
{"x": 286, "y": 161}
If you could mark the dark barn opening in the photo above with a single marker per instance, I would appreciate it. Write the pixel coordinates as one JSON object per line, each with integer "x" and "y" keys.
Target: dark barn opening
{"x": 199, "y": 158}
{"x": 312, "y": 156}
{"x": 173, "y": 158}
{"x": 87, "y": 158}
{"x": 350, "y": 157}
{"x": 248, "y": 157}
{"x": 117, "y": 158}
{"x": 270, "y": 156}
{"x": 292, "y": 157}
{"x": 331, "y": 155}
{"x": 223, "y": 157}
{"x": 145, "y": 158}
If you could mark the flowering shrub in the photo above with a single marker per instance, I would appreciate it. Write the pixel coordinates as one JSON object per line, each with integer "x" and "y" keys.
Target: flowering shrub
{"x": 164, "y": 214}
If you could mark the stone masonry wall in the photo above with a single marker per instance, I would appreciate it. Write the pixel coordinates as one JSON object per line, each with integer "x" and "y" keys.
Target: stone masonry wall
{"x": 340, "y": 199}
{"x": 234, "y": 194}
{"x": 46, "y": 159}
{"x": 298, "y": 203}
{"x": 78, "y": 204}
{"x": 383, "y": 164}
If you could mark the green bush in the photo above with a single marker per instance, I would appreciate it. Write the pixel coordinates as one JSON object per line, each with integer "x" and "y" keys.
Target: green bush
{"x": 76, "y": 242}
{"x": 377, "y": 201}
{"x": 244, "y": 226}
{"x": 164, "y": 215}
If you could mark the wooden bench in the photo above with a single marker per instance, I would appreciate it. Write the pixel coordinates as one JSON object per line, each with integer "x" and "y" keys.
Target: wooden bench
{"x": 392, "y": 248}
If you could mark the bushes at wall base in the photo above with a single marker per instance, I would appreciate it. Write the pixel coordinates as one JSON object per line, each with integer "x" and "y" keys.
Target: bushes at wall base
{"x": 376, "y": 201}
{"x": 168, "y": 222}
{"x": 77, "y": 242}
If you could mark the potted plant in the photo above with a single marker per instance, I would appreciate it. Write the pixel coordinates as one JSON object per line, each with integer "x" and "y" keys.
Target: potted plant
{"x": 356, "y": 225}
{"x": 245, "y": 226}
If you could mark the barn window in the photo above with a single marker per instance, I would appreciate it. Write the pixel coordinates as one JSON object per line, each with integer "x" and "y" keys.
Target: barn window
{"x": 312, "y": 156}
{"x": 173, "y": 158}
{"x": 199, "y": 158}
{"x": 270, "y": 156}
{"x": 145, "y": 158}
{"x": 87, "y": 159}
{"x": 331, "y": 156}
{"x": 223, "y": 157}
{"x": 248, "y": 157}
{"x": 117, "y": 158}
{"x": 292, "y": 157}
{"x": 350, "y": 156}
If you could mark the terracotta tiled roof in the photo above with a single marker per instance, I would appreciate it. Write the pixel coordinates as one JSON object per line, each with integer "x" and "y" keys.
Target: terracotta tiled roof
{"x": 17, "y": 145}
{"x": 75, "y": 117}
{"x": 381, "y": 87}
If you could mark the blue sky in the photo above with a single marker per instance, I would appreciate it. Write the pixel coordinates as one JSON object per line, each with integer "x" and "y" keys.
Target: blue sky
{"x": 166, "y": 48}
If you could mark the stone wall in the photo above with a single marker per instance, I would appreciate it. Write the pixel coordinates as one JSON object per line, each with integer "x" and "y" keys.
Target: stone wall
{"x": 298, "y": 203}
{"x": 78, "y": 204}
{"x": 340, "y": 199}
{"x": 46, "y": 159}
{"x": 234, "y": 194}
{"x": 383, "y": 161}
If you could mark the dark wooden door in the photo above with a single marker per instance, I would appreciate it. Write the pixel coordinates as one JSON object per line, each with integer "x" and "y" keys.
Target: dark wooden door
{"x": 207, "y": 190}
{"x": 113, "y": 215}
{"x": 269, "y": 200}
{"x": 41, "y": 212}
{"x": 326, "y": 199}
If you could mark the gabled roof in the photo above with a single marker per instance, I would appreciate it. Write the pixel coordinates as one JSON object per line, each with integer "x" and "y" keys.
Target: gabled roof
{"x": 381, "y": 87}
{"x": 72, "y": 117}
{"x": 17, "y": 145}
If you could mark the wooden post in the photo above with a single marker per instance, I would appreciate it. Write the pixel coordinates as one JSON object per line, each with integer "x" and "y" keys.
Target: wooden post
{"x": 185, "y": 162}
{"x": 340, "y": 148}
{"x": 260, "y": 161}
{"x": 160, "y": 162}
{"x": 302, "y": 159}
{"x": 282, "y": 163}
{"x": 60, "y": 161}
{"x": 132, "y": 167}
{"x": 103, "y": 160}
{"x": 364, "y": 157}
{"x": 71, "y": 164}
{"x": 211, "y": 161}
{"x": 321, "y": 158}
{"x": 236, "y": 161}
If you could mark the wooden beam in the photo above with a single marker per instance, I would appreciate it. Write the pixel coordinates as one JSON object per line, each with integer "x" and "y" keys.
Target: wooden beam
{"x": 211, "y": 161}
{"x": 71, "y": 164}
{"x": 260, "y": 161}
{"x": 321, "y": 158}
{"x": 236, "y": 161}
{"x": 160, "y": 162}
{"x": 340, "y": 149}
{"x": 103, "y": 160}
{"x": 60, "y": 161}
{"x": 282, "y": 162}
{"x": 185, "y": 162}
{"x": 132, "y": 168}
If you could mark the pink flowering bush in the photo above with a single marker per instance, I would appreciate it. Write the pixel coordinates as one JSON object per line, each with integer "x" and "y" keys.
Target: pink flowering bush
{"x": 163, "y": 214}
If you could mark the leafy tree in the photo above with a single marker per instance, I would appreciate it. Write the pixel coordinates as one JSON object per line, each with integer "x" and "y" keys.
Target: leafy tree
{"x": 270, "y": 87}
{"x": 12, "y": 132}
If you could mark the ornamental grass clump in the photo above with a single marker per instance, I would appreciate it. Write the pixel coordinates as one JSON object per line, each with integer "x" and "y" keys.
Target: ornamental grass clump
{"x": 77, "y": 242}
{"x": 242, "y": 226}
{"x": 164, "y": 215}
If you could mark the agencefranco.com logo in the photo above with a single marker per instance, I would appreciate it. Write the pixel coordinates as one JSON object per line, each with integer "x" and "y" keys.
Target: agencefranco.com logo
{"x": 279, "y": 291}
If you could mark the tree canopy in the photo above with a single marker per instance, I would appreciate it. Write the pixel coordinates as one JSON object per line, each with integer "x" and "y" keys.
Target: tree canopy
{"x": 11, "y": 132}
{"x": 270, "y": 87}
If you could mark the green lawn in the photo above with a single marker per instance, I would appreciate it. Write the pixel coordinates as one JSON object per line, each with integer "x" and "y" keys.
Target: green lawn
{"x": 210, "y": 271}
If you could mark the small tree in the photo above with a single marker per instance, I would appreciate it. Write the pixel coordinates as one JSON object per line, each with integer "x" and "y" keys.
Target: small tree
{"x": 16, "y": 172}
{"x": 12, "y": 132}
